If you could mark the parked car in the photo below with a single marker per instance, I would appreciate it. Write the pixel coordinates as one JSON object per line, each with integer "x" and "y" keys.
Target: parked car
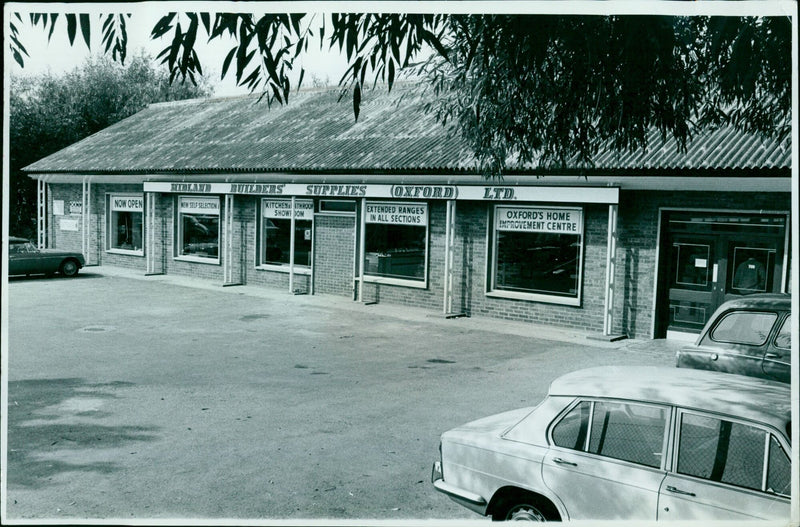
{"x": 749, "y": 336}
{"x": 25, "y": 258}
{"x": 629, "y": 443}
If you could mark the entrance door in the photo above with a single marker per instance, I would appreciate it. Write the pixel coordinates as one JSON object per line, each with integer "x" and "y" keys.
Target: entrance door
{"x": 711, "y": 258}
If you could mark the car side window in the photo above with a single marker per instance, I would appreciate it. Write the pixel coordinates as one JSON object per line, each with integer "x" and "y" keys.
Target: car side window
{"x": 572, "y": 430}
{"x": 630, "y": 432}
{"x": 732, "y": 453}
{"x": 15, "y": 248}
{"x": 784, "y": 338}
{"x": 779, "y": 470}
{"x": 744, "y": 327}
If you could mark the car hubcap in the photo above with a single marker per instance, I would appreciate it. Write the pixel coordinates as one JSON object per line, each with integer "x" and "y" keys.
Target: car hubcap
{"x": 69, "y": 268}
{"x": 525, "y": 513}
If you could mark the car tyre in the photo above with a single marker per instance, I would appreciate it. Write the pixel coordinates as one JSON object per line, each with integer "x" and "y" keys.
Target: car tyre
{"x": 524, "y": 507}
{"x": 69, "y": 268}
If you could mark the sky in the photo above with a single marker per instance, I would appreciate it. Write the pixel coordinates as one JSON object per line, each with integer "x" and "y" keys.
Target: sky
{"x": 57, "y": 56}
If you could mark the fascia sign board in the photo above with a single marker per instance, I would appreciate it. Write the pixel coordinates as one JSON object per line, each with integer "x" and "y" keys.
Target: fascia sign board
{"x": 553, "y": 194}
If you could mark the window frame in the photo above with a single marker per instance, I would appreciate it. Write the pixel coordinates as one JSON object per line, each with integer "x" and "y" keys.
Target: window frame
{"x": 550, "y": 298}
{"x": 787, "y": 320}
{"x": 110, "y": 196}
{"x": 768, "y": 431}
{"x": 260, "y": 264}
{"x": 666, "y": 440}
{"x": 178, "y": 244}
{"x": 406, "y": 282}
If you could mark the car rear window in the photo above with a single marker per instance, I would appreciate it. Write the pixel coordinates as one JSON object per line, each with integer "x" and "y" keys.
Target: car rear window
{"x": 744, "y": 327}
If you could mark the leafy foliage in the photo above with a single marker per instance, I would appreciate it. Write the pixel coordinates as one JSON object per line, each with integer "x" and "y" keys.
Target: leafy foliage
{"x": 543, "y": 89}
{"x": 48, "y": 113}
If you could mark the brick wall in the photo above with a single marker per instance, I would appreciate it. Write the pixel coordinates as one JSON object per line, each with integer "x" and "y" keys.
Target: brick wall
{"x": 334, "y": 249}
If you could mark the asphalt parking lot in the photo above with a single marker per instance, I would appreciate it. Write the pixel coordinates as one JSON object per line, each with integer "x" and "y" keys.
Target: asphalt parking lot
{"x": 162, "y": 397}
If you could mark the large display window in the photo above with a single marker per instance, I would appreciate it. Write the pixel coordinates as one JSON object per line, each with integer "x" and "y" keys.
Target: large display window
{"x": 537, "y": 253}
{"x": 125, "y": 214}
{"x": 198, "y": 228}
{"x": 276, "y": 233}
{"x": 396, "y": 241}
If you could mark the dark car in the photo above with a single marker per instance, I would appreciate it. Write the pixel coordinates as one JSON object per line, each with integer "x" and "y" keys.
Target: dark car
{"x": 25, "y": 258}
{"x": 749, "y": 336}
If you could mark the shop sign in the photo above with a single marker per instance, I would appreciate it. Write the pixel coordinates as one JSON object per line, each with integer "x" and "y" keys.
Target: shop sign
{"x": 127, "y": 203}
{"x": 75, "y": 207}
{"x": 282, "y": 209}
{"x": 497, "y": 193}
{"x": 539, "y": 219}
{"x": 58, "y": 207}
{"x": 397, "y": 213}
{"x": 198, "y": 205}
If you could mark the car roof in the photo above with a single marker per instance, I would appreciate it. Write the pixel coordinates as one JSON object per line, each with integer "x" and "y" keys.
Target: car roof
{"x": 734, "y": 395}
{"x": 781, "y": 301}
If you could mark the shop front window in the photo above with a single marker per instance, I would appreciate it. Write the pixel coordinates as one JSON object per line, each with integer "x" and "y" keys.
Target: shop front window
{"x": 276, "y": 232}
{"x": 396, "y": 240}
{"x": 199, "y": 227}
{"x": 125, "y": 223}
{"x": 538, "y": 251}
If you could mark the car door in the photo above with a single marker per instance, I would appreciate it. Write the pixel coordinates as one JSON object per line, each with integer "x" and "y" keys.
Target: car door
{"x": 725, "y": 470}
{"x": 605, "y": 460}
{"x": 21, "y": 258}
{"x": 778, "y": 355}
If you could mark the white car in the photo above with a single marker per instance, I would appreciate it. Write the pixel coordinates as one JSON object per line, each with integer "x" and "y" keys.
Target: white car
{"x": 629, "y": 443}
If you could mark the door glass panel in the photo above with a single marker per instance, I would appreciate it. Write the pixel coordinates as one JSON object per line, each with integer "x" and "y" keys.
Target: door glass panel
{"x": 630, "y": 432}
{"x": 779, "y": 477}
{"x": 784, "y": 338}
{"x": 686, "y": 313}
{"x": 571, "y": 431}
{"x": 693, "y": 264}
{"x": 749, "y": 269}
{"x": 744, "y": 327}
{"x": 721, "y": 451}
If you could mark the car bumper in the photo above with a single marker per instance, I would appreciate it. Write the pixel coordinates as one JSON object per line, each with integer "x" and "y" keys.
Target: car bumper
{"x": 470, "y": 500}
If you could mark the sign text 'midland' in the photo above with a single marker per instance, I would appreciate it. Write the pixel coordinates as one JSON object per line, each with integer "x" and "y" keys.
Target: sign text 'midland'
{"x": 190, "y": 187}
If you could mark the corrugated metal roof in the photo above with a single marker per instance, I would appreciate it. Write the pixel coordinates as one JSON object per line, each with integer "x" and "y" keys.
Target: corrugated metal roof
{"x": 316, "y": 132}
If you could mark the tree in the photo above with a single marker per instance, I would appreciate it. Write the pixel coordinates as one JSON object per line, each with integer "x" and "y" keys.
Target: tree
{"x": 521, "y": 89}
{"x": 48, "y": 113}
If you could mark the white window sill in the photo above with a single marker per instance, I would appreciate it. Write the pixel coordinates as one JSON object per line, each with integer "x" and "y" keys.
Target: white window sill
{"x": 536, "y": 297}
{"x": 416, "y": 284}
{"x": 125, "y": 252}
{"x": 197, "y": 259}
{"x": 284, "y": 269}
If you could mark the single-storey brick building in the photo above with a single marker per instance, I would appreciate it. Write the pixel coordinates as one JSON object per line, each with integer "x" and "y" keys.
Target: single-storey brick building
{"x": 390, "y": 209}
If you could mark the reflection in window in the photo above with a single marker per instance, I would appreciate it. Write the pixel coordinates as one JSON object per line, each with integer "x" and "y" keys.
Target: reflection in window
{"x": 199, "y": 226}
{"x": 784, "y": 338}
{"x": 750, "y": 269}
{"x": 744, "y": 327}
{"x": 692, "y": 264}
{"x": 126, "y": 230}
{"x": 629, "y": 432}
{"x": 395, "y": 240}
{"x": 721, "y": 451}
{"x": 276, "y": 241}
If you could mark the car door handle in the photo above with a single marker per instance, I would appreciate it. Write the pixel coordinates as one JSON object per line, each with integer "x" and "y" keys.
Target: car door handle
{"x": 560, "y": 461}
{"x": 679, "y": 491}
{"x": 772, "y": 355}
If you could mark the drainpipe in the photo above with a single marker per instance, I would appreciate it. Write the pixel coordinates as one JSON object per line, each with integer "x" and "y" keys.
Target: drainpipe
{"x": 611, "y": 260}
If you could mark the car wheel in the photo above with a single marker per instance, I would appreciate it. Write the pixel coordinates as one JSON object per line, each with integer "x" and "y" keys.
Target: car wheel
{"x": 524, "y": 512}
{"x": 69, "y": 268}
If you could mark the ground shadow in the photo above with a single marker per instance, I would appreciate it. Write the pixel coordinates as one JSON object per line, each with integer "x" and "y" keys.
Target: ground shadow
{"x": 36, "y": 429}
